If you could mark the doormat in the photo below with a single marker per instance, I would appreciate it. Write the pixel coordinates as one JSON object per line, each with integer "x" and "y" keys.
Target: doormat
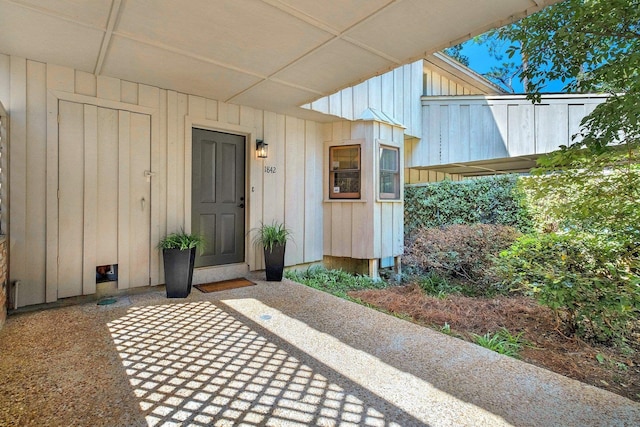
{"x": 224, "y": 285}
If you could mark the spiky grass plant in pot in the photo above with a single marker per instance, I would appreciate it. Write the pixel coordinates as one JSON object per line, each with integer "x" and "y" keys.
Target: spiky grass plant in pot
{"x": 179, "y": 253}
{"x": 273, "y": 239}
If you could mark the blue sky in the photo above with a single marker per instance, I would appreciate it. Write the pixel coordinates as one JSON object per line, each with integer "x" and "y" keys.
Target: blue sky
{"x": 481, "y": 62}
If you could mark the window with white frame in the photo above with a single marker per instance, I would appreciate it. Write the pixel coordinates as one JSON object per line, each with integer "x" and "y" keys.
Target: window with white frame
{"x": 389, "y": 172}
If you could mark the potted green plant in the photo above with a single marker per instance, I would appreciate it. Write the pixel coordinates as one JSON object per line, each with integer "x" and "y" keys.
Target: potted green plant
{"x": 273, "y": 239}
{"x": 179, "y": 253}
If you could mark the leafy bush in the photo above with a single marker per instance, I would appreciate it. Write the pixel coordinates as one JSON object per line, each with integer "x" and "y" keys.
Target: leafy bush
{"x": 591, "y": 281}
{"x": 336, "y": 282}
{"x": 461, "y": 252}
{"x": 491, "y": 200}
{"x": 590, "y": 197}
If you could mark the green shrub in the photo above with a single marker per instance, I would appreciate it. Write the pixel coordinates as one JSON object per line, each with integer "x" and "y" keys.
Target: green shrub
{"x": 490, "y": 200}
{"x": 594, "y": 195}
{"x": 590, "y": 281}
{"x": 462, "y": 252}
{"x": 336, "y": 282}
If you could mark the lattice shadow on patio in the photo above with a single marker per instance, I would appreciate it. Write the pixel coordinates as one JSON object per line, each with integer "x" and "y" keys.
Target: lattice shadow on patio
{"x": 196, "y": 364}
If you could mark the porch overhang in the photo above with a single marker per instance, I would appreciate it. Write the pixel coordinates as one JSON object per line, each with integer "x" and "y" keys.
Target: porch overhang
{"x": 519, "y": 164}
{"x": 269, "y": 54}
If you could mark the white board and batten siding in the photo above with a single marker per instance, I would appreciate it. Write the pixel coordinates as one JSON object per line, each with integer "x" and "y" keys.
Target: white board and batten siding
{"x": 471, "y": 128}
{"x": 287, "y": 186}
{"x": 367, "y": 228}
{"x": 418, "y": 176}
{"x": 4, "y": 144}
{"x": 106, "y": 223}
{"x": 398, "y": 93}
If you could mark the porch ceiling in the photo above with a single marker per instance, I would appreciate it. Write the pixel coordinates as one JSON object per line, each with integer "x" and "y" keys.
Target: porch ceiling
{"x": 270, "y": 54}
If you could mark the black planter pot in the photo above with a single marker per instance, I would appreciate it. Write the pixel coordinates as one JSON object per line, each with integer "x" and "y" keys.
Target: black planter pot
{"x": 274, "y": 261}
{"x": 178, "y": 271}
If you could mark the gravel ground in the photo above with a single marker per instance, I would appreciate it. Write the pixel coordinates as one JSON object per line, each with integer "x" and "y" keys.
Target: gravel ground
{"x": 272, "y": 354}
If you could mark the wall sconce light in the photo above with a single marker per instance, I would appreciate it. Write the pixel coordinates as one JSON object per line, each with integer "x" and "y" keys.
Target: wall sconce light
{"x": 262, "y": 149}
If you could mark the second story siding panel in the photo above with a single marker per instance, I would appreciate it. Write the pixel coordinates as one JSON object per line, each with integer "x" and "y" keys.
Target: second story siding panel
{"x": 473, "y": 128}
{"x": 398, "y": 92}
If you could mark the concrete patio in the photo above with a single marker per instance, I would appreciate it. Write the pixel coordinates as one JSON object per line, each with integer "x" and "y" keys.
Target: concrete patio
{"x": 272, "y": 354}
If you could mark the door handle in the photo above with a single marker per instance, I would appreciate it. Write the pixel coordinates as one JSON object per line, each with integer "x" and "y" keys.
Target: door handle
{"x": 143, "y": 202}
{"x": 241, "y": 205}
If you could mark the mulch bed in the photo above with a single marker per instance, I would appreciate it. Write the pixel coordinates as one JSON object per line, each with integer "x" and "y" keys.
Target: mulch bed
{"x": 550, "y": 349}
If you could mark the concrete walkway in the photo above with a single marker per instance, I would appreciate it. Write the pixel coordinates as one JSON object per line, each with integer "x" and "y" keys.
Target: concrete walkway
{"x": 272, "y": 354}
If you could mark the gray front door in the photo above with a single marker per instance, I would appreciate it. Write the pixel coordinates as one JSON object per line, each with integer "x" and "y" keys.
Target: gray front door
{"x": 217, "y": 198}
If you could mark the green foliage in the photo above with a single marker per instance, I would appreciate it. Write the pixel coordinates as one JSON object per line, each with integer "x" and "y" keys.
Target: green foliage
{"x": 459, "y": 252}
{"x": 593, "y": 46}
{"x": 336, "y": 282}
{"x": 182, "y": 241}
{"x": 455, "y": 52}
{"x": 611, "y": 363}
{"x": 504, "y": 73}
{"x": 587, "y": 266}
{"x": 491, "y": 200}
{"x": 597, "y": 194}
{"x": 590, "y": 281}
{"x": 446, "y": 329}
{"x": 434, "y": 284}
{"x": 268, "y": 236}
{"x": 590, "y": 269}
{"x": 502, "y": 342}
{"x": 590, "y": 191}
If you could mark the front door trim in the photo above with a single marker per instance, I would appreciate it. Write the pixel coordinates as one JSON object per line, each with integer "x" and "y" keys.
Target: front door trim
{"x": 191, "y": 122}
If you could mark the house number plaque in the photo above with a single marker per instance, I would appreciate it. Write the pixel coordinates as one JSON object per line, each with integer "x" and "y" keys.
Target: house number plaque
{"x": 269, "y": 169}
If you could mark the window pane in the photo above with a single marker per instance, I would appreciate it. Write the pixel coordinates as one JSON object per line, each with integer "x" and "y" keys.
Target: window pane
{"x": 347, "y": 182}
{"x": 387, "y": 182}
{"x": 388, "y": 159}
{"x": 389, "y": 175}
{"x": 345, "y": 158}
{"x": 344, "y": 167}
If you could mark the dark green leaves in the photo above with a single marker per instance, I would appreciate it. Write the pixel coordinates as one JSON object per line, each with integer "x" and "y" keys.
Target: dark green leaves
{"x": 492, "y": 200}
{"x": 271, "y": 235}
{"x": 593, "y": 46}
{"x": 181, "y": 241}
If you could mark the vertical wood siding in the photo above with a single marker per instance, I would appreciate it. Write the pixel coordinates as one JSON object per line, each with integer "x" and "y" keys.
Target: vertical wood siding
{"x": 292, "y": 194}
{"x": 474, "y": 128}
{"x": 36, "y": 178}
{"x": 396, "y": 93}
{"x": 365, "y": 228}
{"x": 417, "y": 176}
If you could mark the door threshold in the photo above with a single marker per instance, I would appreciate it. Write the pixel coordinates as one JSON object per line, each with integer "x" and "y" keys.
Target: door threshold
{"x": 216, "y": 273}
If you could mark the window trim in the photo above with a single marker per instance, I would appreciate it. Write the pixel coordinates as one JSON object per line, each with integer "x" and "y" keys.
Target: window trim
{"x": 341, "y": 196}
{"x": 396, "y": 173}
